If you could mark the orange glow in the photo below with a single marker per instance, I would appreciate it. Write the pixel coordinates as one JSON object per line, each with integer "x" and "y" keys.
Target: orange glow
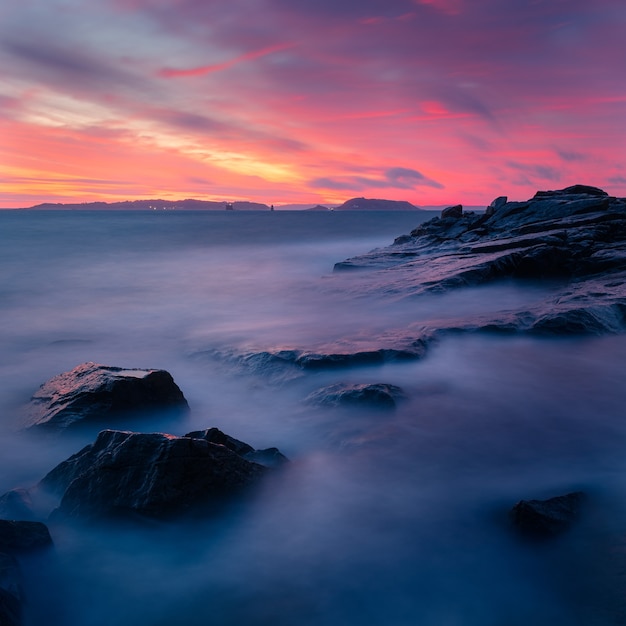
{"x": 423, "y": 100}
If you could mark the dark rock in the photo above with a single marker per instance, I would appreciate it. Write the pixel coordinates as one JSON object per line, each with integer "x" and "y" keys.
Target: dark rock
{"x": 377, "y": 395}
{"x": 287, "y": 364}
{"x": 452, "y": 211}
{"x": 18, "y": 536}
{"x": 215, "y": 435}
{"x": 547, "y": 518}
{"x": 574, "y": 237}
{"x": 17, "y": 504}
{"x": 496, "y": 204}
{"x": 155, "y": 475}
{"x": 574, "y": 190}
{"x": 270, "y": 457}
{"x": 10, "y": 591}
{"x": 95, "y": 393}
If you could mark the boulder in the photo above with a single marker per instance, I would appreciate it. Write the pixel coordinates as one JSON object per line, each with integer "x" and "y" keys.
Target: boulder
{"x": 150, "y": 474}
{"x": 97, "y": 393}
{"x": 375, "y": 395}
{"x": 19, "y": 536}
{"x": 10, "y": 591}
{"x": 547, "y": 518}
{"x": 17, "y": 504}
{"x": 270, "y": 457}
{"x": 454, "y": 212}
{"x": 573, "y": 237}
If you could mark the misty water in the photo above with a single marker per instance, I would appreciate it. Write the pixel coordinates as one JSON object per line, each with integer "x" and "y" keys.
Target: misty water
{"x": 381, "y": 518}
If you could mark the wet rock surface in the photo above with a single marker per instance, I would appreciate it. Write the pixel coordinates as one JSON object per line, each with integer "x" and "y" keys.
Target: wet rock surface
{"x": 373, "y": 395}
{"x": 10, "y": 591}
{"x": 97, "y": 393}
{"x": 573, "y": 240}
{"x": 270, "y": 457}
{"x": 579, "y": 232}
{"x": 125, "y": 474}
{"x": 543, "y": 519}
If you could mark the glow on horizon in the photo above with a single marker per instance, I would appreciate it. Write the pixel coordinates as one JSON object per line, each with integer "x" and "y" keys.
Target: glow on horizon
{"x": 431, "y": 101}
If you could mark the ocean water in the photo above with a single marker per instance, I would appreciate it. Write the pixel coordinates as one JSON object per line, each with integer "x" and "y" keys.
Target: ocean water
{"x": 381, "y": 518}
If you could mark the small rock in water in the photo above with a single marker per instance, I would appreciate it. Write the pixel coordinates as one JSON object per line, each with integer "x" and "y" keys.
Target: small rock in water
{"x": 377, "y": 395}
{"x": 547, "y": 518}
{"x": 94, "y": 393}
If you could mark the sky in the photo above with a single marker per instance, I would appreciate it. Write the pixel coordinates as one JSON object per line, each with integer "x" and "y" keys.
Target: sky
{"x": 307, "y": 101}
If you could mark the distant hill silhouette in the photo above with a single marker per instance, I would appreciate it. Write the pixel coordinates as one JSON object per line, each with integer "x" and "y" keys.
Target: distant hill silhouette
{"x": 371, "y": 204}
{"x": 151, "y": 205}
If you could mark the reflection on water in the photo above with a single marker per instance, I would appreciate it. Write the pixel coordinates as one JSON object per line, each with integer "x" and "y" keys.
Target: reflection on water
{"x": 381, "y": 518}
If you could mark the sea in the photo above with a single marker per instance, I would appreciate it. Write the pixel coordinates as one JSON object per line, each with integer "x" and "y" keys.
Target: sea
{"x": 381, "y": 518}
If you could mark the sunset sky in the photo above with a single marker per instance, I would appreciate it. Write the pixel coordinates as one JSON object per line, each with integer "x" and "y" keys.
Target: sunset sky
{"x": 288, "y": 101}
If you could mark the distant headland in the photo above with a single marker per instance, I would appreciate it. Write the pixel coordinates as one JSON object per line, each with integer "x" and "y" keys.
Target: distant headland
{"x": 190, "y": 204}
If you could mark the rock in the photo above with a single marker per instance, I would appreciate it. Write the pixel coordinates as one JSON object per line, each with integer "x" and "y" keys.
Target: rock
{"x": 17, "y": 504}
{"x": 547, "y": 518}
{"x": 574, "y": 237}
{"x": 215, "y": 435}
{"x": 98, "y": 393}
{"x": 575, "y": 190}
{"x": 150, "y": 474}
{"x": 10, "y": 591}
{"x": 270, "y": 457}
{"x": 19, "y": 536}
{"x": 281, "y": 365}
{"x": 376, "y": 395}
{"x": 496, "y": 204}
{"x": 455, "y": 212}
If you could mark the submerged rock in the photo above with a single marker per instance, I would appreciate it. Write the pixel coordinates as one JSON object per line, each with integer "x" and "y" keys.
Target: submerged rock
{"x": 10, "y": 591}
{"x": 547, "y": 518}
{"x": 19, "y": 536}
{"x": 270, "y": 457}
{"x": 96, "y": 393}
{"x": 453, "y": 212}
{"x": 375, "y": 395}
{"x": 151, "y": 474}
{"x": 281, "y": 365}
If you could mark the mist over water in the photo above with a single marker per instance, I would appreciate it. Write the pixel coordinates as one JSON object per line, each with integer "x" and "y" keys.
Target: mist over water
{"x": 381, "y": 518}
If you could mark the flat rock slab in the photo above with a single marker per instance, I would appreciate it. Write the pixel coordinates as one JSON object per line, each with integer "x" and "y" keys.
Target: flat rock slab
{"x": 150, "y": 474}
{"x": 547, "y": 518}
{"x": 97, "y": 393}
{"x": 373, "y": 395}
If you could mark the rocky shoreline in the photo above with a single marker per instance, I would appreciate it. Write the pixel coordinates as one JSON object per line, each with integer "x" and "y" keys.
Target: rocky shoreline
{"x": 575, "y": 238}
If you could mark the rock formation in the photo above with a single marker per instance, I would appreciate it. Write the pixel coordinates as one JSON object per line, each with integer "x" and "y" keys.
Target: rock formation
{"x": 98, "y": 393}
{"x": 374, "y": 204}
{"x": 152, "y": 474}
{"x": 16, "y": 537}
{"x": 575, "y": 238}
{"x": 374, "y": 395}
{"x": 547, "y": 518}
